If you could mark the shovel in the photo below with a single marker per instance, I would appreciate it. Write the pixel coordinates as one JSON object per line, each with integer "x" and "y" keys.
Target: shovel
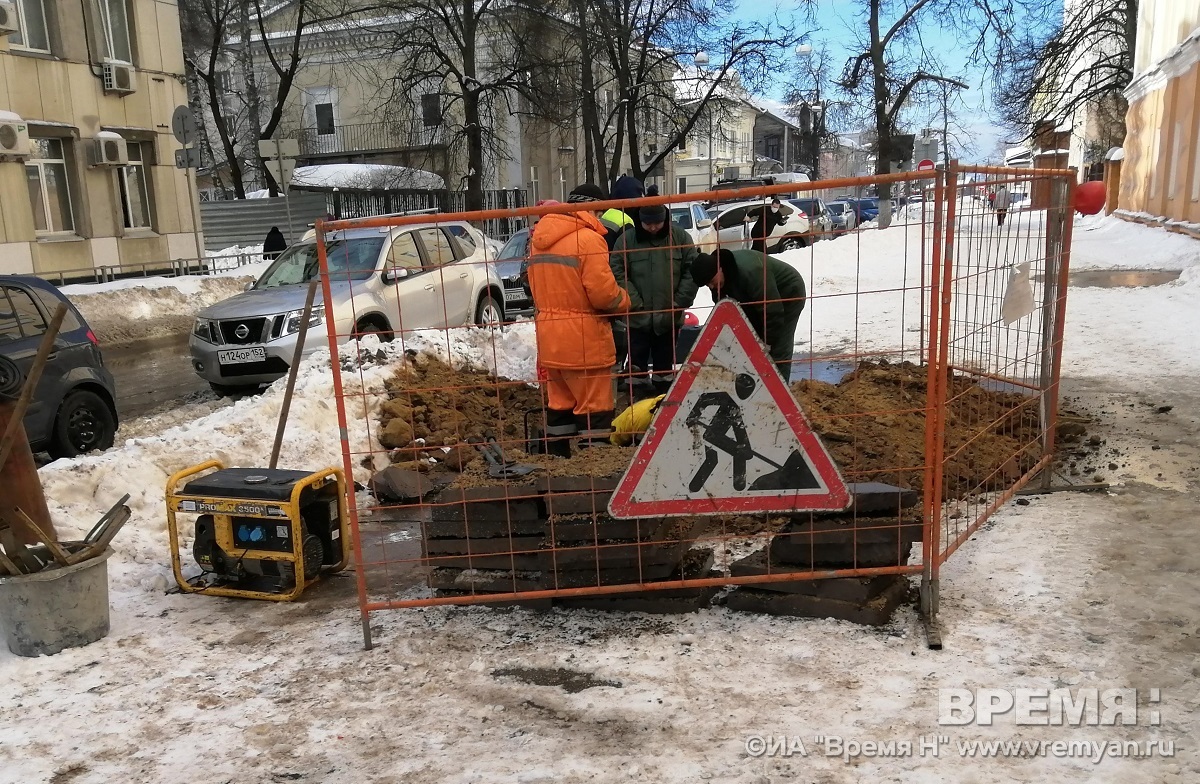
{"x": 498, "y": 466}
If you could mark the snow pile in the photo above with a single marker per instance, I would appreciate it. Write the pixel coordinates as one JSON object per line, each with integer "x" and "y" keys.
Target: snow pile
{"x": 237, "y": 257}
{"x": 1108, "y": 242}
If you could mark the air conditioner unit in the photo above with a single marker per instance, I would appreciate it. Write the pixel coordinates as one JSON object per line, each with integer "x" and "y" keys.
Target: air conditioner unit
{"x": 14, "y": 137}
{"x": 119, "y": 79}
{"x": 109, "y": 149}
{"x": 8, "y": 17}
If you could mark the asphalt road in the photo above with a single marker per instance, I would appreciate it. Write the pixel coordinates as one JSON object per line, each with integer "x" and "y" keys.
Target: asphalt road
{"x": 153, "y": 375}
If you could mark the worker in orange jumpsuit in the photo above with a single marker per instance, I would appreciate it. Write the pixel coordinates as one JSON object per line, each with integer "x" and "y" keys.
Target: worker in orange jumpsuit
{"x": 575, "y": 295}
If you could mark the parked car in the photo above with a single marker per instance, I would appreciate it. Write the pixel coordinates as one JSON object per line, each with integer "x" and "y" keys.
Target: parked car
{"x": 818, "y": 216}
{"x": 512, "y": 265}
{"x": 383, "y": 280}
{"x": 74, "y": 408}
{"x": 732, "y": 224}
{"x": 692, "y": 218}
{"x": 866, "y": 209}
{"x": 842, "y": 216}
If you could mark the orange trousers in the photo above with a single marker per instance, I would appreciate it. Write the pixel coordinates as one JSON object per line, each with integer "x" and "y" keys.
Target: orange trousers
{"x": 580, "y": 391}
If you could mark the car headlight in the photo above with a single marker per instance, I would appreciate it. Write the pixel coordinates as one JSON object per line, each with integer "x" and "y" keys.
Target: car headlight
{"x": 292, "y": 319}
{"x": 203, "y": 330}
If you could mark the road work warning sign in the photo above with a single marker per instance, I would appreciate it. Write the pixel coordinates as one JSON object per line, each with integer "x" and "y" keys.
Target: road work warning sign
{"x": 729, "y": 438}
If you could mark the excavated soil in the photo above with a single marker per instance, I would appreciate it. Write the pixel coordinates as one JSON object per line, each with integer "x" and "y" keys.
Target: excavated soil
{"x": 872, "y": 422}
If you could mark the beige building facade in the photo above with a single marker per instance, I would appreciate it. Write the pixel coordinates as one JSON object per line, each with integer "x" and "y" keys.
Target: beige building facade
{"x": 1160, "y": 174}
{"x": 87, "y": 157}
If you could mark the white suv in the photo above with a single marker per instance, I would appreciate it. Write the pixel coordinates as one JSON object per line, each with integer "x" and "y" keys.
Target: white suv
{"x": 382, "y": 280}
{"x": 731, "y": 225}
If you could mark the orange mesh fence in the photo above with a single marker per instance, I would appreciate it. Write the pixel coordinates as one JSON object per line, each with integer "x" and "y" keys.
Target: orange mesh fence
{"x": 459, "y": 428}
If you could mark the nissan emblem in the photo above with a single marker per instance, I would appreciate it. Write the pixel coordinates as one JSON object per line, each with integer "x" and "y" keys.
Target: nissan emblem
{"x": 242, "y": 332}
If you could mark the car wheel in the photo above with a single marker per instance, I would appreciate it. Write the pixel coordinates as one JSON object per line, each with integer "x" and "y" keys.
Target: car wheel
{"x": 489, "y": 313}
{"x": 84, "y": 423}
{"x": 372, "y": 327}
{"x": 228, "y": 390}
{"x": 792, "y": 243}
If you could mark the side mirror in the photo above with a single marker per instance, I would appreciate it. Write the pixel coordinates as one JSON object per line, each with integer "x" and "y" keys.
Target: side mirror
{"x": 393, "y": 274}
{"x": 704, "y": 224}
{"x": 248, "y": 286}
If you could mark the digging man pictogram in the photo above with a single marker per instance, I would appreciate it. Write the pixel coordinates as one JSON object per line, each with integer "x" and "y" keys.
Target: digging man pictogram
{"x": 728, "y": 417}
{"x": 726, "y": 432}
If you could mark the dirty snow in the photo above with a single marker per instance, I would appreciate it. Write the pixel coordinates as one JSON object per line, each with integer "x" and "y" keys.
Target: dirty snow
{"x": 1063, "y": 592}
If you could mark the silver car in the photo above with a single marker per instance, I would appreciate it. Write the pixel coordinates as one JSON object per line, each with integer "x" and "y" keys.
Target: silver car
{"x": 382, "y": 281}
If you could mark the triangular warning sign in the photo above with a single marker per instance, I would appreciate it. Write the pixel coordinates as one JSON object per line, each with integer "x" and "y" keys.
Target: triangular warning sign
{"x": 728, "y": 438}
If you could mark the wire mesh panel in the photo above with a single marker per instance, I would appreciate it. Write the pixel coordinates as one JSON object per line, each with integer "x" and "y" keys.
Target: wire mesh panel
{"x": 1004, "y": 276}
{"x": 568, "y": 419}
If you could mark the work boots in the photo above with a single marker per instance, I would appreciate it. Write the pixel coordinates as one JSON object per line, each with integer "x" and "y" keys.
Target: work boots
{"x": 560, "y": 429}
{"x": 595, "y": 429}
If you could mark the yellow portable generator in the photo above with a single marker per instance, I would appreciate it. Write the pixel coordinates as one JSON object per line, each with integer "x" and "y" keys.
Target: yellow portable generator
{"x": 259, "y": 533}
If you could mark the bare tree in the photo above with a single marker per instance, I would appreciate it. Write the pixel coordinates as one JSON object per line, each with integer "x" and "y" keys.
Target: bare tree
{"x": 892, "y": 64}
{"x": 472, "y": 63}
{"x": 1084, "y": 59}
{"x": 641, "y": 52}
{"x": 217, "y": 33}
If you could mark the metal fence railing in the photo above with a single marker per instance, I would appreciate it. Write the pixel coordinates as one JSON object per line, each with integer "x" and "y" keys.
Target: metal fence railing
{"x": 209, "y": 265}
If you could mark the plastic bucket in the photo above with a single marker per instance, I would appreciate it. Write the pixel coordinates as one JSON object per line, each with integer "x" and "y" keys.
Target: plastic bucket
{"x": 46, "y": 612}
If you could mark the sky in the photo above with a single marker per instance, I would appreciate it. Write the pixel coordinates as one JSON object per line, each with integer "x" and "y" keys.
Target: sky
{"x": 836, "y": 29}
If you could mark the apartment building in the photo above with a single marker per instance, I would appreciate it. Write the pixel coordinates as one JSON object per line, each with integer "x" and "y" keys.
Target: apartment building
{"x": 87, "y": 167}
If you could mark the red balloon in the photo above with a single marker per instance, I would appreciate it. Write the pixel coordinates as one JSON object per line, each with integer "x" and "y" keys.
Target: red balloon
{"x": 1090, "y": 197}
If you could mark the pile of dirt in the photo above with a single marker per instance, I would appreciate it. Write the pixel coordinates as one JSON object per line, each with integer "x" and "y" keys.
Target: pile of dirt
{"x": 873, "y": 423}
{"x": 442, "y": 406}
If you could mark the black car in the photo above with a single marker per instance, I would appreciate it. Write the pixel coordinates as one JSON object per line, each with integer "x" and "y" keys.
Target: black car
{"x": 73, "y": 409}
{"x": 511, "y": 266}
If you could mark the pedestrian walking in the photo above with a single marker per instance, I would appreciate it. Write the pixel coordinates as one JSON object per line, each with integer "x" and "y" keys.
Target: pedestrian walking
{"x": 274, "y": 244}
{"x": 575, "y": 295}
{"x": 653, "y": 263}
{"x": 1000, "y": 204}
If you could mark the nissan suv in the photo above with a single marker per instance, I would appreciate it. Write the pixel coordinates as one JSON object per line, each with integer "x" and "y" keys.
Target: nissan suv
{"x": 73, "y": 409}
{"x": 383, "y": 281}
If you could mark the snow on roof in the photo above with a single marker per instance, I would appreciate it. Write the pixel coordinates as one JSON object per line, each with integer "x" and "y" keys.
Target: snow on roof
{"x": 365, "y": 176}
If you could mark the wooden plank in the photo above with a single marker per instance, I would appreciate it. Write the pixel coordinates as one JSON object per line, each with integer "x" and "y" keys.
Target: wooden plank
{"x": 59, "y": 554}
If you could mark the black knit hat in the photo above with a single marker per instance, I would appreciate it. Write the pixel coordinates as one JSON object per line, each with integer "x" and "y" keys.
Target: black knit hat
{"x": 653, "y": 213}
{"x": 704, "y": 268}
{"x": 585, "y": 193}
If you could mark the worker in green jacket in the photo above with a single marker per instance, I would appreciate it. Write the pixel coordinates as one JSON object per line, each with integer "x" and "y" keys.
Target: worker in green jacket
{"x": 653, "y": 262}
{"x": 771, "y": 293}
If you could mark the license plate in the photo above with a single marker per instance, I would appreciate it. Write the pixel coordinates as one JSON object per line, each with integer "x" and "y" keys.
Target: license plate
{"x": 514, "y": 296}
{"x": 239, "y": 356}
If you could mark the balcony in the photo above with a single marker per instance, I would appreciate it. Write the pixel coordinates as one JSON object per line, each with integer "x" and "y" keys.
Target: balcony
{"x": 367, "y": 137}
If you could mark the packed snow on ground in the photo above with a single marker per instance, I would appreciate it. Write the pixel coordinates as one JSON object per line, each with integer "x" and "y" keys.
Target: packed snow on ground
{"x": 258, "y": 691}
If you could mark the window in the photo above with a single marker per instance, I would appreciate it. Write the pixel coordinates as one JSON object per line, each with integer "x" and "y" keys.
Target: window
{"x": 49, "y": 187}
{"x": 349, "y": 259}
{"x": 19, "y": 316}
{"x": 135, "y": 194}
{"x": 324, "y": 113}
{"x": 437, "y": 247}
{"x": 681, "y": 185}
{"x": 31, "y": 18}
{"x": 404, "y": 253}
{"x": 681, "y": 217}
{"x": 562, "y": 183}
{"x": 114, "y": 18}
{"x": 534, "y": 192}
{"x": 682, "y": 144}
{"x": 466, "y": 242}
{"x": 735, "y": 217}
{"x": 431, "y": 109}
